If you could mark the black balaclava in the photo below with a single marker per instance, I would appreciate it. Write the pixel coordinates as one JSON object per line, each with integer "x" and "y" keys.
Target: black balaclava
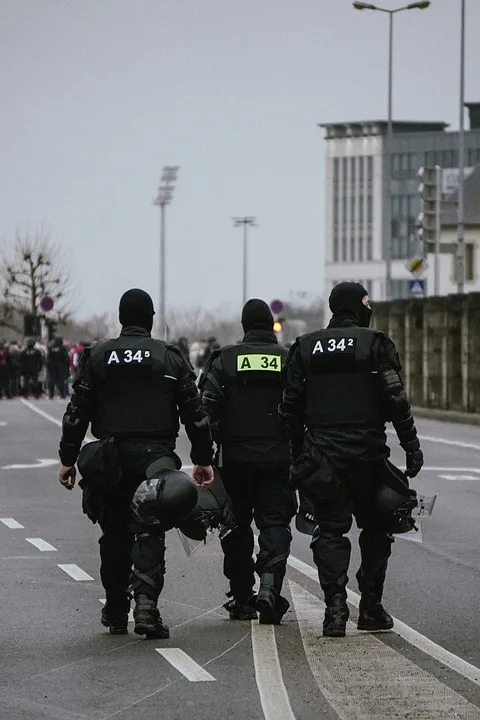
{"x": 256, "y": 315}
{"x": 136, "y": 308}
{"x": 346, "y": 299}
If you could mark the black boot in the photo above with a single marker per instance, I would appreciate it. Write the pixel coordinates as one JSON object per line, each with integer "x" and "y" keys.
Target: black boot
{"x": 241, "y": 608}
{"x": 373, "y": 617}
{"x": 270, "y": 605}
{"x": 147, "y": 619}
{"x": 115, "y": 614}
{"x": 336, "y": 616}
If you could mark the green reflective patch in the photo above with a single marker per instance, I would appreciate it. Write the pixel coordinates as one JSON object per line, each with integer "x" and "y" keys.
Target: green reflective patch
{"x": 273, "y": 363}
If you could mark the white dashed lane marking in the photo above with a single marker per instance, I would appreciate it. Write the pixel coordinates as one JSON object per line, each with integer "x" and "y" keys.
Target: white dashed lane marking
{"x": 185, "y": 664}
{"x": 11, "y": 523}
{"x": 75, "y": 572}
{"x": 41, "y": 544}
{"x": 362, "y": 677}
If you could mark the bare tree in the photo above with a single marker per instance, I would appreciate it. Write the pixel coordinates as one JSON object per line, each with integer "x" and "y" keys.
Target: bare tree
{"x": 195, "y": 323}
{"x": 97, "y": 327}
{"x": 36, "y": 268}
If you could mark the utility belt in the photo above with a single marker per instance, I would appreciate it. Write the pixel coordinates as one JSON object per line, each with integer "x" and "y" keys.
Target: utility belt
{"x": 98, "y": 464}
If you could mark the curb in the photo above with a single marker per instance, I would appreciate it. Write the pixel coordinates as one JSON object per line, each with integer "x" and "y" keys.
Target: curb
{"x": 454, "y": 416}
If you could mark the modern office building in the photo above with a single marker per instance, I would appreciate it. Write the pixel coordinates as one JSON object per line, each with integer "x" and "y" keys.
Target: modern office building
{"x": 356, "y": 195}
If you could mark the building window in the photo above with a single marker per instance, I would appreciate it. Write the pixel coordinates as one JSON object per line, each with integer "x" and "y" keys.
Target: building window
{"x": 370, "y": 172}
{"x": 369, "y": 208}
{"x": 335, "y": 249}
{"x": 469, "y": 264}
{"x": 336, "y": 172}
{"x": 369, "y": 246}
{"x": 352, "y": 249}
{"x": 360, "y": 248}
{"x": 353, "y": 174}
{"x": 344, "y": 248}
{"x": 473, "y": 157}
{"x": 361, "y": 169}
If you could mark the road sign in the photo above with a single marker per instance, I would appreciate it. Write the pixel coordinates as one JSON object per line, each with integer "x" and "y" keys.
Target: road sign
{"x": 416, "y": 265}
{"x": 416, "y": 288}
{"x": 46, "y": 303}
{"x": 276, "y": 306}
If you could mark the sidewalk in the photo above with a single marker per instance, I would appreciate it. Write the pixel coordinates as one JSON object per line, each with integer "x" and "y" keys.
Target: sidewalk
{"x": 446, "y": 415}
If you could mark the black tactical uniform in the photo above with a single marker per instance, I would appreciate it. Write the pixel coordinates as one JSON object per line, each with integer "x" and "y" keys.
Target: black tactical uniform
{"x": 241, "y": 388}
{"x": 31, "y": 363}
{"x": 58, "y": 363}
{"x": 342, "y": 385}
{"x": 134, "y": 389}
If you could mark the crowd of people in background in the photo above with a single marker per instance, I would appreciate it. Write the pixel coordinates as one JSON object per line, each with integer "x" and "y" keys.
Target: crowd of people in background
{"x": 36, "y": 368}
{"x": 33, "y": 368}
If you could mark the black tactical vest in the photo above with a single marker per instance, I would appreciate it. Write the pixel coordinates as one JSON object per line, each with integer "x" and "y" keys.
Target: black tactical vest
{"x": 135, "y": 398}
{"x": 342, "y": 384}
{"x": 253, "y": 391}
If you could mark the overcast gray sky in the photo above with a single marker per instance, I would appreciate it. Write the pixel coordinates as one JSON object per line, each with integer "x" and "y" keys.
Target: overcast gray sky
{"x": 98, "y": 95}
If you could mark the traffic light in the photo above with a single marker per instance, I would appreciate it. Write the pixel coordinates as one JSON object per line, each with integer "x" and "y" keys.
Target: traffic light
{"x": 52, "y": 328}
{"x": 278, "y": 325}
{"x": 429, "y": 189}
{"x": 31, "y": 326}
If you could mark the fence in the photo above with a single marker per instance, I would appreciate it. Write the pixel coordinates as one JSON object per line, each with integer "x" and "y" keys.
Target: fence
{"x": 438, "y": 340}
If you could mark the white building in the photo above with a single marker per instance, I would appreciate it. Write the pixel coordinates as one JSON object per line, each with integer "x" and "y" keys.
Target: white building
{"x": 356, "y": 196}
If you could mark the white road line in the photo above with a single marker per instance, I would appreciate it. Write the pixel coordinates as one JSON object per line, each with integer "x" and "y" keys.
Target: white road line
{"x": 41, "y": 544}
{"x": 185, "y": 664}
{"x": 450, "y": 469}
{"x": 130, "y": 614}
{"x": 442, "y": 441}
{"x": 11, "y": 523}
{"x": 75, "y": 572}
{"x": 351, "y": 671}
{"x": 3, "y": 423}
{"x": 268, "y": 674}
{"x": 48, "y": 417}
{"x": 460, "y": 477}
{"x": 462, "y": 667}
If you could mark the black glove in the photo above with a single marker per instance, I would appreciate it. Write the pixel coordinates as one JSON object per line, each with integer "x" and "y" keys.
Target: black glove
{"x": 414, "y": 463}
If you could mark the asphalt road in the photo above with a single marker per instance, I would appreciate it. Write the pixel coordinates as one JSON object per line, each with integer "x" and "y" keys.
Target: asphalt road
{"x": 58, "y": 663}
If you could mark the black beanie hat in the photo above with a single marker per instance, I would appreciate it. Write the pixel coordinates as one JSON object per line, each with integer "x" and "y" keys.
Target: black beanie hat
{"x": 256, "y": 315}
{"x": 136, "y": 308}
{"x": 346, "y": 297}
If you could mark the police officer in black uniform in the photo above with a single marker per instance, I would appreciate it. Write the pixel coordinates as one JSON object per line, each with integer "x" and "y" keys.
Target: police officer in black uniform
{"x": 241, "y": 387}
{"x": 31, "y": 364}
{"x": 342, "y": 385}
{"x": 58, "y": 363}
{"x": 134, "y": 389}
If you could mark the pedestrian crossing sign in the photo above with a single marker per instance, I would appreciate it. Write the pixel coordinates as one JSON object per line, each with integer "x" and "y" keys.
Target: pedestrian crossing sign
{"x": 416, "y": 288}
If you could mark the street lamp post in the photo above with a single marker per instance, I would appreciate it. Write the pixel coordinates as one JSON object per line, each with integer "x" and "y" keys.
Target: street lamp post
{"x": 460, "y": 259}
{"x": 164, "y": 197}
{"x": 245, "y": 221}
{"x": 387, "y": 247}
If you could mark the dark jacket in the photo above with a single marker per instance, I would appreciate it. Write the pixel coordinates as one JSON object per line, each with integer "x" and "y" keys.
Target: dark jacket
{"x": 81, "y": 409}
{"x": 342, "y": 445}
{"x": 212, "y": 384}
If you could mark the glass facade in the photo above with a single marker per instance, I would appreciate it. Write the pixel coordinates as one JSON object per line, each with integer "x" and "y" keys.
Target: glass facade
{"x": 352, "y": 209}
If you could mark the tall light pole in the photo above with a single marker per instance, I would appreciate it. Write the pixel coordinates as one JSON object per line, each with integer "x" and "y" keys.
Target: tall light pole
{"x": 387, "y": 245}
{"x": 461, "y": 165}
{"x": 245, "y": 221}
{"x": 164, "y": 197}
